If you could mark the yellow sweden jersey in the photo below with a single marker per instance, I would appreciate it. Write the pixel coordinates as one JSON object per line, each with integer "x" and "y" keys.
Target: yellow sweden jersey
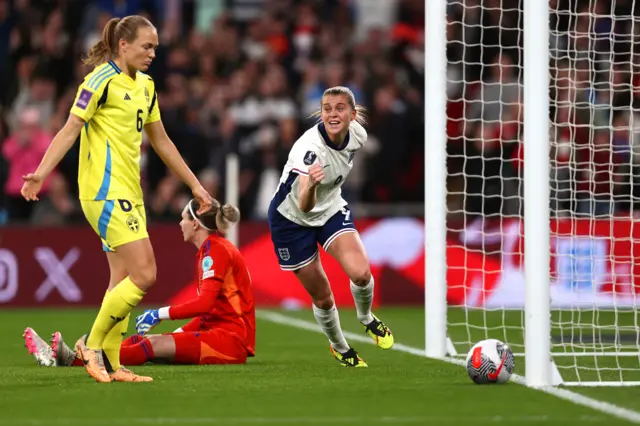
{"x": 115, "y": 108}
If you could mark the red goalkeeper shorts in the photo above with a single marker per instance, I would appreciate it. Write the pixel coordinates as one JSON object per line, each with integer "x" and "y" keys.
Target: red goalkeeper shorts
{"x": 216, "y": 346}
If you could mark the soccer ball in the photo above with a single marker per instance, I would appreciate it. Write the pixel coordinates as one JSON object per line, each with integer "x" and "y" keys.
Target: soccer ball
{"x": 490, "y": 361}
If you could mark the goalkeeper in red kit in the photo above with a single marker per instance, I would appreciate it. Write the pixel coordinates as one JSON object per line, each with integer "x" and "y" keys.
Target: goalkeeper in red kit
{"x": 222, "y": 329}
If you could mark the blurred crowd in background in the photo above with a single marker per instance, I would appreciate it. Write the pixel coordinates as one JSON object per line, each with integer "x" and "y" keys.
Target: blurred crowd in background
{"x": 594, "y": 94}
{"x": 232, "y": 76}
{"x": 244, "y": 76}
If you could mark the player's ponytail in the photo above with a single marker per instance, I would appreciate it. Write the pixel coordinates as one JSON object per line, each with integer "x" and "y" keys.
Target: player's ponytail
{"x": 361, "y": 112}
{"x": 107, "y": 48}
{"x": 227, "y": 215}
{"x": 102, "y": 51}
{"x": 219, "y": 218}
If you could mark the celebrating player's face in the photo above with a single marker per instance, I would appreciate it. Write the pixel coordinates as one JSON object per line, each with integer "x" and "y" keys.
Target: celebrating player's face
{"x": 142, "y": 51}
{"x": 336, "y": 114}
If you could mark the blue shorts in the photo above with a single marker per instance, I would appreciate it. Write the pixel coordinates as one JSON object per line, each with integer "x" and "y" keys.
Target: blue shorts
{"x": 296, "y": 246}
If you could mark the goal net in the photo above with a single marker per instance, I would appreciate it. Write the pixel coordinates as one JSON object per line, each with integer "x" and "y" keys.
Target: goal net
{"x": 594, "y": 141}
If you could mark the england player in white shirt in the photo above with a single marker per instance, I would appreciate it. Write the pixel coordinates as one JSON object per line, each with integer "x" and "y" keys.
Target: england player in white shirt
{"x": 308, "y": 209}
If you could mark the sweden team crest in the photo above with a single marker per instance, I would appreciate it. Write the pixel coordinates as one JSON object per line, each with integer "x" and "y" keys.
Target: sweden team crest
{"x": 132, "y": 223}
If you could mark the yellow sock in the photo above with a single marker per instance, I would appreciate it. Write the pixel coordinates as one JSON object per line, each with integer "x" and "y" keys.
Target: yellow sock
{"x": 113, "y": 341}
{"x": 117, "y": 304}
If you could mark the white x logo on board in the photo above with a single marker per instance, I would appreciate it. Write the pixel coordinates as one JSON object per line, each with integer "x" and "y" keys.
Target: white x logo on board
{"x": 58, "y": 274}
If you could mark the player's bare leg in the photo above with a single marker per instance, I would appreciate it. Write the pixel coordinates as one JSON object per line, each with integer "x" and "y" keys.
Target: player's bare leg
{"x": 349, "y": 251}
{"x": 164, "y": 347}
{"x": 156, "y": 348}
{"x": 315, "y": 281}
{"x": 38, "y": 348}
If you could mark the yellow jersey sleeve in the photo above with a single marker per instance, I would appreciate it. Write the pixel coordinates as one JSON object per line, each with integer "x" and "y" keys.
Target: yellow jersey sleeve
{"x": 85, "y": 104}
{"x": 154, "y": 108}
{"x": 91, "y": 91}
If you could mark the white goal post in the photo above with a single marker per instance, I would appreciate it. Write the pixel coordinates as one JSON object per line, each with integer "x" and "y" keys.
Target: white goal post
{"x": 522, "y": 243}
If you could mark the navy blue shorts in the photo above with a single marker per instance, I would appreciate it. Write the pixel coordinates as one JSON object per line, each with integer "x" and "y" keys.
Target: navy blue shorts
{"x": 296, "y": 246}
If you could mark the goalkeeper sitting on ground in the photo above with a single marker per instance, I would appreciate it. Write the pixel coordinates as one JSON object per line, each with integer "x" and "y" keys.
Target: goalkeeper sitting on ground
{"x": 222, "y": 330}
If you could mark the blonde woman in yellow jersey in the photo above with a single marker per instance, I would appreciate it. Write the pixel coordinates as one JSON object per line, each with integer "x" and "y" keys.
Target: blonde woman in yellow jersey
{"x": 113, "y": 105}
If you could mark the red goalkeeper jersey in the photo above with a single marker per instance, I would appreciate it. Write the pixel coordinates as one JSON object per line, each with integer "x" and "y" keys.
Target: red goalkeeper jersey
{"x": 225, "y": 297}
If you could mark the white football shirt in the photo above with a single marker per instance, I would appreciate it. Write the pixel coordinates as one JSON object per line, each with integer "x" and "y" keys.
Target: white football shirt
{"x": 314, "y": 147}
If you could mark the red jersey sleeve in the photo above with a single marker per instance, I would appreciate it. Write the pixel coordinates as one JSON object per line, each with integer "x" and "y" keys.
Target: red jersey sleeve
{"x": 193, "y": 325}
{"x": 212, "y": 268}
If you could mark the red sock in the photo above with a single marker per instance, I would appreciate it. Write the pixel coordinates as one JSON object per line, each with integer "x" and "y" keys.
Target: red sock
{"x": 136, "y": 354}
{"x": 132, "y": 340}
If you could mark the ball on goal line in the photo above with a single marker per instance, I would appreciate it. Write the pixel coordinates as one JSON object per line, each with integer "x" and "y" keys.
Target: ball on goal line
{"x": 490, "y": 361}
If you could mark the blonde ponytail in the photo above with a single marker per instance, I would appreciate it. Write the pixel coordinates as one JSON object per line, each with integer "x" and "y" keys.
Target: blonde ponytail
{"x": 219, "y": 218}
{"x": 361, "y": 114}
{"x": 107, "y": 48}
{"x": 226, "y": 217}
{"x": 103, "y": 50}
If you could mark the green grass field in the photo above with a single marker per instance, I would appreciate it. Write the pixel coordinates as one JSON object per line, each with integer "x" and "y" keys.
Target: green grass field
{"x": 292, "y": 381}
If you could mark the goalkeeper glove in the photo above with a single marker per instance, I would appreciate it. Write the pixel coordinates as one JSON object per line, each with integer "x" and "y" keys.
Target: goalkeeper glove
{"x": 145, "y": 322}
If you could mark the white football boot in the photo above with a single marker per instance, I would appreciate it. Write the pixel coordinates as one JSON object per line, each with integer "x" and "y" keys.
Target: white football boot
{"x": 40, "y": 349}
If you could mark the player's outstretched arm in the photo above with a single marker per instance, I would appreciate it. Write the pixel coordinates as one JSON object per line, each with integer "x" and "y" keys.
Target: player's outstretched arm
{"x": 169, "y": 154}
{"x": 58, "y": 148}
{"x": 201, "y": 305}
{"x": 307, "y": 188}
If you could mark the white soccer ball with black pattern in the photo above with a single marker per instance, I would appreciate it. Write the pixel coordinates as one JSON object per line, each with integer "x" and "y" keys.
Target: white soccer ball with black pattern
{"x": 490, "y": 361}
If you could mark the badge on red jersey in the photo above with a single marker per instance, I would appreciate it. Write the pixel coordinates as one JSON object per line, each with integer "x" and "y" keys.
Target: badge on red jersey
{"x": 207, "y": 272}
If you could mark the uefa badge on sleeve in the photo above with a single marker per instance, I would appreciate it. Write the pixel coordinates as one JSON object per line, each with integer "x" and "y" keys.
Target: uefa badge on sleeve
{"x": 207, "y": 263}
{"x": 83, "y": 99}
{"x": 309, "y": 158}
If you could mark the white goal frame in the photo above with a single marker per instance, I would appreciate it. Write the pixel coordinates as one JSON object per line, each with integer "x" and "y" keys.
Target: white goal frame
{"x": 539, "y": 365}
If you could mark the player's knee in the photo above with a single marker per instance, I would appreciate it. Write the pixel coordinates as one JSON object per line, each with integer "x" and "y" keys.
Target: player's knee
{"x": 361, "y": 277}
{"x": 324, "y": 301}
{"x": 145, "y": 276}
{"x": 158, "y": 342}
{"x": 150, "y": 274}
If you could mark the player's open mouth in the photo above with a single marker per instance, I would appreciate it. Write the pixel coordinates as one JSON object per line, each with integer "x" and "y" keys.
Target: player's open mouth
{"x": 334, "y": 123}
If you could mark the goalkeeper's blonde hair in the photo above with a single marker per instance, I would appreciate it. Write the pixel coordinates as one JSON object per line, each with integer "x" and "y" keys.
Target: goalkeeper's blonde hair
{"x": 361, "y": 112}
{"x": 219, "y": 218}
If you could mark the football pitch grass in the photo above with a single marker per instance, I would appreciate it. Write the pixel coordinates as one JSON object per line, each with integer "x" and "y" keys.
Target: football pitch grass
{"x": 293, "y": 380}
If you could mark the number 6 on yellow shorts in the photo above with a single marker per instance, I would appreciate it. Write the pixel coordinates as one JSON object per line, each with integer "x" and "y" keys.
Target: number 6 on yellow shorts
{"x": 117, "y": 222}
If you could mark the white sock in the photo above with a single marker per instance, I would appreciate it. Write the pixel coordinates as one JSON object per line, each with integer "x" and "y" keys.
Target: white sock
{"x": 329, "y": 320}
{"x": 363, "y": 298}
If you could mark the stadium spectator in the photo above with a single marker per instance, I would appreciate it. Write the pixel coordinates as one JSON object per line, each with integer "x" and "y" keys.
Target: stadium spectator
{"x": 594, "y": 96}
{"x": 22, "y": 151}
{"x": 232, "y": 76}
